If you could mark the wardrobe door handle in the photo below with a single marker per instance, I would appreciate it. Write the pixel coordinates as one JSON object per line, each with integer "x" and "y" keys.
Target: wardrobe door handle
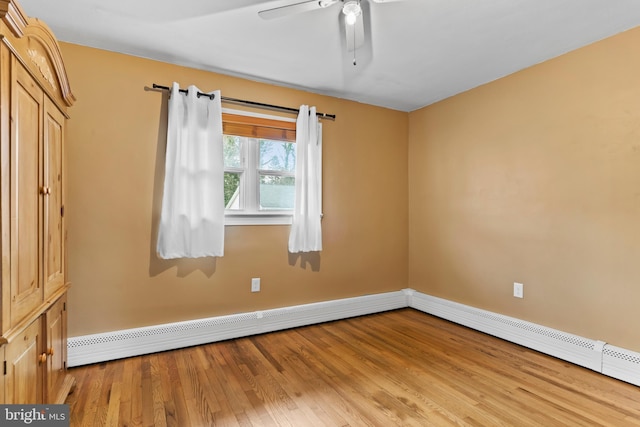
{"x": 43, "y": 358}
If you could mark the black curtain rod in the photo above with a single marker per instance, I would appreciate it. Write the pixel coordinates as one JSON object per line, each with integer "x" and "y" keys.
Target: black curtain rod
{"x": 208, "y": 95}
{"x": 251, "y": 103}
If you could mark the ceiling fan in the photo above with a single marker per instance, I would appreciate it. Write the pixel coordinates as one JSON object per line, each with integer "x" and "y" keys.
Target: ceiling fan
{"x": 351, "y": 12}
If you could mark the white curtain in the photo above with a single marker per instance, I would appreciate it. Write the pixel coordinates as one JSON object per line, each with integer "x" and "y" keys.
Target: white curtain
{"x": 306, "y": 230}
{"x": 192, "y": 217}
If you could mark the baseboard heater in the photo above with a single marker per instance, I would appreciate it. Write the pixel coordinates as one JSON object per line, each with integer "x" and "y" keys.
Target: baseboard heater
{"x": 96, "y": 348}
{"x": 596, "y": 355}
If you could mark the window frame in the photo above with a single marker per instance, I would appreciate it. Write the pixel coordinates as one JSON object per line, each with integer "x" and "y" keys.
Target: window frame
{"x": 251, "y": 215}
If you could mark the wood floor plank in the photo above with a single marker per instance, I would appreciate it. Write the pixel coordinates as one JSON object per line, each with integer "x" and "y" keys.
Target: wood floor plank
{"x": 398, "y": 368}
{"x": 113, "y": 410}
{"x": 133, "y": 417}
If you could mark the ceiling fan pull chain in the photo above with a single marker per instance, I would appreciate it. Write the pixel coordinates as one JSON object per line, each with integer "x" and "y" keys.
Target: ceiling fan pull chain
{"x": 354, "y": 45}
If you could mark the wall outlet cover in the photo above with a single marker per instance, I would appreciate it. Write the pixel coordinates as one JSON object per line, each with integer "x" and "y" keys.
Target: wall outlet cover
{"x": 518, "y": 290}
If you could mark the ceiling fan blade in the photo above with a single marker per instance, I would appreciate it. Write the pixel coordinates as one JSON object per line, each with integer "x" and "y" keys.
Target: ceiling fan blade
{"x": 148, "y": 10}
{"x": 305, "y": 6}
{"x": 354, "y": 34}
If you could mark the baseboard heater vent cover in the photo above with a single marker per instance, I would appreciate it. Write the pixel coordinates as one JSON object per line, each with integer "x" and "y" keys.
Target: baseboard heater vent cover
{"x": 83, "y": 350}
{"x": 621, "y": 363}
{"x": 565, "y": 346}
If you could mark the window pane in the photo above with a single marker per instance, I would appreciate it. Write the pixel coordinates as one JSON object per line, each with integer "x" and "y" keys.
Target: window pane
{"x": 277, "y": 192}
{"x": 231, "y": 190}
{"x": 232, "y": 158}
{"x": 277, "y": 156}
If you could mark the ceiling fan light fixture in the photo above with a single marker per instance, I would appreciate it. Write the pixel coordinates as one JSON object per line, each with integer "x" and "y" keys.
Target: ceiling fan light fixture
{"x": 351, "y": 11}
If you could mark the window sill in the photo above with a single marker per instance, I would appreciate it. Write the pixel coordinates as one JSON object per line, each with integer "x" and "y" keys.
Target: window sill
{"x": 266, "y": 218}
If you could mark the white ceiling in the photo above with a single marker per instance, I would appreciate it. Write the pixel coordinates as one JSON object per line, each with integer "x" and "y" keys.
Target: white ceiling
{"x": 419, "y": 51}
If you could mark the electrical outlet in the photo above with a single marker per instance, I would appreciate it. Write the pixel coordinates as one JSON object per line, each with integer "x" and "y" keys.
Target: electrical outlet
{"x": 255, "y": 284}
{"x": 518, "y": 290}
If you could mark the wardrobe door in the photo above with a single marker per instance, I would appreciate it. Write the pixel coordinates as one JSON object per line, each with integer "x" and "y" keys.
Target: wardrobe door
{"x": 53, "y": 262}
{"x": 25, "y": 365}
{"x": 26, "y": 193}
{"x": 56, "y": 351}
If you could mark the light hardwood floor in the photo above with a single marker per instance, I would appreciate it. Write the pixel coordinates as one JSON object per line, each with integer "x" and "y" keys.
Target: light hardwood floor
{"x": 395, "y": 368}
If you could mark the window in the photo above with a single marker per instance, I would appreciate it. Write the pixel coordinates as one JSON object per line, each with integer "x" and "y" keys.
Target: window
{"x": 260, "y": 165}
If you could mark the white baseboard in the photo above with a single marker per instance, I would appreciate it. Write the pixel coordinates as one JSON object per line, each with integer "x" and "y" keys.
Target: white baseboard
{"x": 596, "y": 355}
{"x": 621, "y": 363}
{"x": 83, "y": 350}
{"x": 565, "y": 346}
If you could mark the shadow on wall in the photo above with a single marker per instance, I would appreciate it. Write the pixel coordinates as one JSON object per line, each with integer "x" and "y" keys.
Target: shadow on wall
{"x": 312, "y": 259}
{"x": 185, "y": 266}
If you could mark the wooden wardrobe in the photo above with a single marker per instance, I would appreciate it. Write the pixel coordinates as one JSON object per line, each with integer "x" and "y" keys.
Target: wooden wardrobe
{"x": 34, "y": 98}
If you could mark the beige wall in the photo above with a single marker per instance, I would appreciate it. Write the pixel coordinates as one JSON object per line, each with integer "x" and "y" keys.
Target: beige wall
{"x": 115, "y": 155}
{"x": 535, "y": 178}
